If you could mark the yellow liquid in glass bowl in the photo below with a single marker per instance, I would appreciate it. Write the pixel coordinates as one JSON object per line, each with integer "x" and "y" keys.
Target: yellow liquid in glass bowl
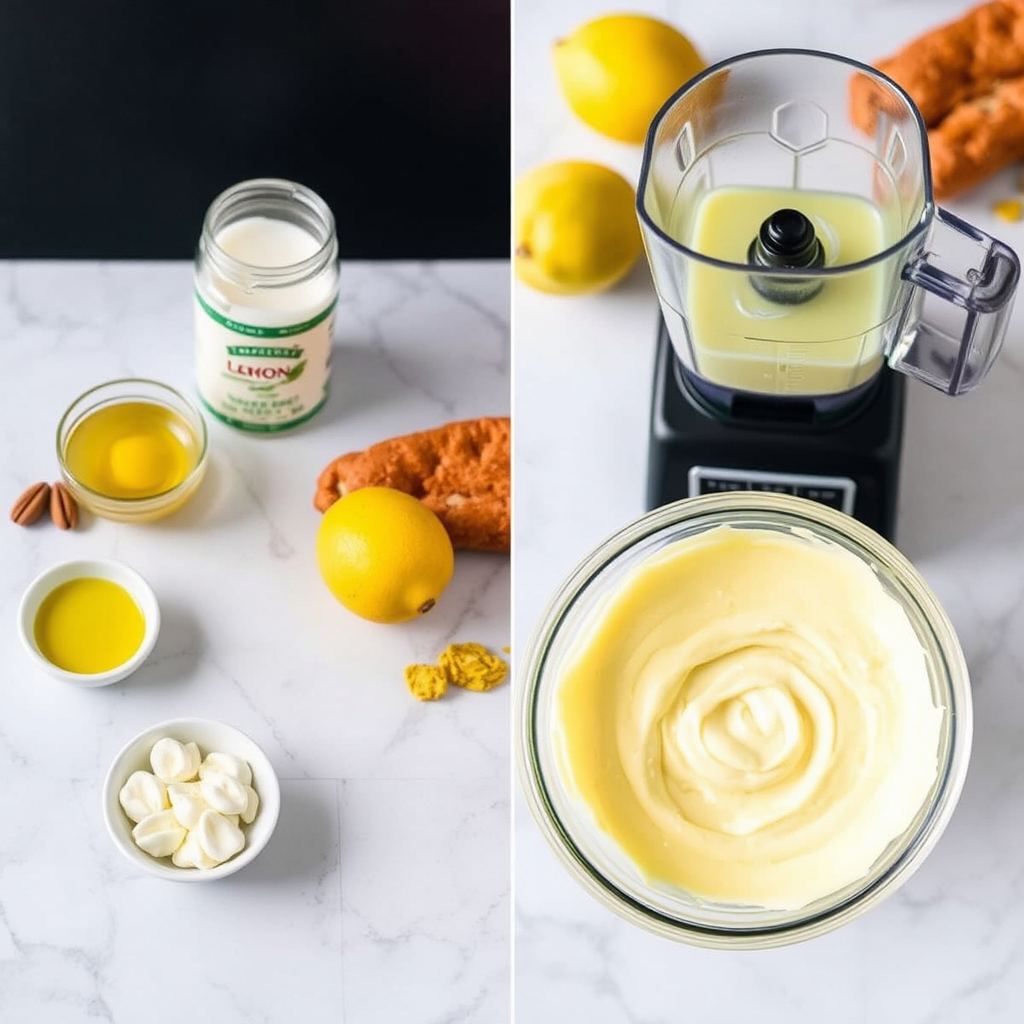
{"x": 132, "y": 449}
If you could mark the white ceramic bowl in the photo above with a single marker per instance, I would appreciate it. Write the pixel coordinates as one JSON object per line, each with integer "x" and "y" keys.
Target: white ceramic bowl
{"x": 209, "y": 735}
{"x": 102, "y": 568}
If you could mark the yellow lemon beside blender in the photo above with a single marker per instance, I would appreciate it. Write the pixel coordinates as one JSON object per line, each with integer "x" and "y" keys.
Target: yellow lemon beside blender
{"x": 616, "y": 71}
{"x": 575, "y": 220}
{"x": 575, "y": 227}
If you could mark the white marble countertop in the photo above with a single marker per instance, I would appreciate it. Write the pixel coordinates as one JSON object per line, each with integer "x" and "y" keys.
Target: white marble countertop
{"x": 383, "y": 895}
{"x": 949, "y": 947}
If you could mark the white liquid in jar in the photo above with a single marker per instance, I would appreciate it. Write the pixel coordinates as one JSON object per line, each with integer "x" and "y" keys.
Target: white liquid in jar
{"x": 263, "y": 331}
{"x": 267, "y": 242}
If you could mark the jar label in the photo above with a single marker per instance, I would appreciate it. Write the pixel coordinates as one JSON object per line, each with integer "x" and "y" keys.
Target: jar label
{"x": 262, "y": 377}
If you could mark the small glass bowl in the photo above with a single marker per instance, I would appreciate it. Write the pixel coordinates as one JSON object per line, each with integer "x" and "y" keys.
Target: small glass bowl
{"x": 595, "y": 860}
{"x": 115, "y": 392}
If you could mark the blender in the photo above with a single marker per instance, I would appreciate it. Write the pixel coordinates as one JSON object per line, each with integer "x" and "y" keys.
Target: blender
{"x": 803, "y": 271}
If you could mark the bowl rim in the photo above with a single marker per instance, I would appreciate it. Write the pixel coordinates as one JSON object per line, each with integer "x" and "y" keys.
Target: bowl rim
{"x": 715, "y": 509}
{"x": 79, "y": 568}
{"x": 116, "y": 821}
{"x": 144, "y": 503}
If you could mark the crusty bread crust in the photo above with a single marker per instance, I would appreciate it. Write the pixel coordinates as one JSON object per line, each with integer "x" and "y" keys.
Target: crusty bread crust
{"x": 977, "y": 139}
{"x": 967, "y": 80}
{"x": 461, "y": 471}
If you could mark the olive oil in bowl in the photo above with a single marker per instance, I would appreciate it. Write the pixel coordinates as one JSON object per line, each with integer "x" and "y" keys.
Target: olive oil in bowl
{"x": 89, "y": 622}
{"x": 88, "y": 625}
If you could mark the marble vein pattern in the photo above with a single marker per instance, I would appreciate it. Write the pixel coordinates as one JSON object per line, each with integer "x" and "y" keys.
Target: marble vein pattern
{"x": 384, "y": 893}
{"x": 949, "y": 947}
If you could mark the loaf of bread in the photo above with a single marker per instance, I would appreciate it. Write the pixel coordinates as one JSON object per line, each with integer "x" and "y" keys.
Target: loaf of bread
{"x": 978, "y": 138}
{"x": 461, "y": 471}
{"x": 967, "y": 80}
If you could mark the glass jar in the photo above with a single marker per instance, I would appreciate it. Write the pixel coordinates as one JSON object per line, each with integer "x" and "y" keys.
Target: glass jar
{"x": 266, "y": 287}
{"x": 593, "y": 858}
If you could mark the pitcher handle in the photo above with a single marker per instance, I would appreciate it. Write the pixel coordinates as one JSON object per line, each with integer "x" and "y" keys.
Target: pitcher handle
{"x": 970, "y": 278}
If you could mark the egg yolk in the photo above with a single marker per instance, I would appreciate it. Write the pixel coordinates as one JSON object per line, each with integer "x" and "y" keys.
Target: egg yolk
{"x": 140, "y": 462}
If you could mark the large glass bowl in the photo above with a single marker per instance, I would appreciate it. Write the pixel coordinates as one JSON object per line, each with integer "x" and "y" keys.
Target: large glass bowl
{"x": 595, "y": 860}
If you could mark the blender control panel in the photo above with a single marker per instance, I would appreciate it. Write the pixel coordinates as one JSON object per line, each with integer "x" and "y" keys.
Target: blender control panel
{"x": 836, "y": 491}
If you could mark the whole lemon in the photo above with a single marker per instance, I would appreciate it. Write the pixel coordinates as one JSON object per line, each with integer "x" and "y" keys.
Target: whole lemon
{"x": 383, "y": 554}
{"x": 616, "y": 71}
{"x": 576, "y": 227}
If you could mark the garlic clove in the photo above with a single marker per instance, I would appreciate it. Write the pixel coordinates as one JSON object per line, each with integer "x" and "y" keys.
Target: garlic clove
{"x": 173, "y": 761}
{"x": 218, "y": 837}
{"x": 142, "y": 794}
{"x": 187, "y": 802}
{"x": 159, "y": 834}
{"x": 224, "y": 793}
{"x": 252, "y": 806}
{"x": 191, "y": 855}
{"x": 226, "y": 764}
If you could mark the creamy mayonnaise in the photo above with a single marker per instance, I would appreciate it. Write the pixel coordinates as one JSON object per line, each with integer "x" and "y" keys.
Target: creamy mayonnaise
{"x": 749, "y": 716}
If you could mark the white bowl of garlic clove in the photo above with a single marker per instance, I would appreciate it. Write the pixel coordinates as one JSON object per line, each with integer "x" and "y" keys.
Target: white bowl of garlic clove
{"x": 191, "y": 800}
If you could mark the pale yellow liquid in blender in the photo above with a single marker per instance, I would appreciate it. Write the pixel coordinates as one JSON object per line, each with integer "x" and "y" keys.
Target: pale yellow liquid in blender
{"x": 742, "y": 340}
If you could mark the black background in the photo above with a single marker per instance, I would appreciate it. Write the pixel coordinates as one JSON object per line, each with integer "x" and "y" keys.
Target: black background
{"x": 120, "y": 120}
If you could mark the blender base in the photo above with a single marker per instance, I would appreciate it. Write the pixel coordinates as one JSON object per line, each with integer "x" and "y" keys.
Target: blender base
{"x": 851, "y": 464}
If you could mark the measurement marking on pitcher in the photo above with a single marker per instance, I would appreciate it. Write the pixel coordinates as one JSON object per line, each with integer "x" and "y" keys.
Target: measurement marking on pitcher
{"x": 792, "y": 368}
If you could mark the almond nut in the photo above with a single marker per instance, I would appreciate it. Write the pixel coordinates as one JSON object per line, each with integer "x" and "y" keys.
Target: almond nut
{"x": 63, "y": 507}
{"x": 31, "y": 505}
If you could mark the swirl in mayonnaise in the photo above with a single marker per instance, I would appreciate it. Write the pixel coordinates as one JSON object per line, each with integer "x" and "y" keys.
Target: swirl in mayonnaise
{"x": 750, "y": 717}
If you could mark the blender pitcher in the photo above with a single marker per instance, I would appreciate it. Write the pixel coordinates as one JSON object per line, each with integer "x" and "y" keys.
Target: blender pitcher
{"x": 794, "y": 254}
